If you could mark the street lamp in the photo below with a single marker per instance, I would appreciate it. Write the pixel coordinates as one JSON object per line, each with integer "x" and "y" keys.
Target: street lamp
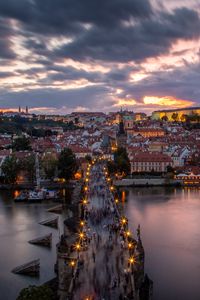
{"x": 81, "y": 235}
{"x": 123, "y": 221}
{"x": 130, "y": 246}
{"x": 82, "y": 223}
{"x": 72, "y": 265}
{"x": 132, "y": 261}
{"x": 128, "y": 233}
{"x": 85, "y": 202}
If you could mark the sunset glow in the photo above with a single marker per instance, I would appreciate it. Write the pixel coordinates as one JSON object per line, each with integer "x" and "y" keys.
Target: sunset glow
{"x": 143, "y": 59}
{"x": 167, "y": 101}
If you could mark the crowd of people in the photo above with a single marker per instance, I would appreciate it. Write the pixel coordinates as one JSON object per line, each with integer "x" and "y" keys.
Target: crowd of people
{"x": 102, "y": 275}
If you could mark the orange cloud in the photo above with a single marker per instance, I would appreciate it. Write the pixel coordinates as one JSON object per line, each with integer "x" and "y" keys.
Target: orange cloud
{"x": 125, "y": 102}
{"x": 167, "y": 101}
{"x": 4, "y": 110}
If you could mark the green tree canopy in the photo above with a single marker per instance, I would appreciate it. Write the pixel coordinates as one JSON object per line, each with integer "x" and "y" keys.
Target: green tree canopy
{"x": 21, "y": 143}
{"x": 49, "y": 164}
{"x": 164, "y": 118}
{"x": 88, "y": 158}
{"x": 28, "y": 164}
{"x": 67, "y": 164}
{"x": 175, "y": 116}
{"x": 36, "y": 293}
{"x": 121, "y": 162}
{"x": 10, "y": 169}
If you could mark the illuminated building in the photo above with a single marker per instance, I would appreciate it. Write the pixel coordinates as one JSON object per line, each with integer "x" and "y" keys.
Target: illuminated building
{"x": 170, "y": 114}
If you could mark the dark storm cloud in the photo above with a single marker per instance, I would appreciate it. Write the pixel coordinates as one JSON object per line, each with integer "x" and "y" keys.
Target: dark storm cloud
{"x": 109, "y": 37}
{"x": 53, "y": 97}
{"x": 148, "y": 38}
{"x": 182, "y": 83}
{"x": 102, "y": 32}
{"x": 63, "y": 16}
{"x": 6, "y": 33}
{"x": 70, "y": 73}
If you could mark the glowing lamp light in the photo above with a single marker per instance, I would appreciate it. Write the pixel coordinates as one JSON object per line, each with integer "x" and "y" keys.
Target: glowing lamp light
{"x": 78, "y": 247}
{"x": 86, "y": 188}
{"x": 112, "y": 188}
{"x": 86, "y": 179}
{"x": 116, "y": 201}
{"x": 84, "y": 201}
{"x": 130, "y": 245}
{"x": 82, "y": 223}
{"x": 81, "y": 235}
{"x": 128, "y": 233}
{"x": 123, "y": 221}
{"x": 78, "y": 175}
{"x": 72, "y": 263}
{"x": 132, "y": 260}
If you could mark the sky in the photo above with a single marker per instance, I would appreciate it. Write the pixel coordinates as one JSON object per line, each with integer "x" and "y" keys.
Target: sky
{"x": 99, "y": 55}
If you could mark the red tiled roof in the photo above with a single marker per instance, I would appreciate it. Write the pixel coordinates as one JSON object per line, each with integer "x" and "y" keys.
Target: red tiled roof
{"x": 151, "y": 157}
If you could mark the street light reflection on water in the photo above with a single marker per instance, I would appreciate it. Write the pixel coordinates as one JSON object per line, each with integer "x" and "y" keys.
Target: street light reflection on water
{"x": 170, "y": 222}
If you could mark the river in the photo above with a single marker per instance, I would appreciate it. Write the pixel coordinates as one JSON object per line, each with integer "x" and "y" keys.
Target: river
{"x": 170, "y": 227}
{"x": 18, "y": 224}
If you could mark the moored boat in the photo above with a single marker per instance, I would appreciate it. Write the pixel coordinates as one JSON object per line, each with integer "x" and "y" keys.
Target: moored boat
{"x": 22, "y": 197}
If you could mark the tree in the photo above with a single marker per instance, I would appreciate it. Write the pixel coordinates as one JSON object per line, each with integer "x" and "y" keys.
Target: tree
{"x": 121, "y": 162}
{"x": 67, "y": 164}
{"x": 36, "y": 293}
{"x": 28, "y": 164}
{"x": 112, "y": 168}
{"x": 21, "y": 143}
{"x": 183, "y": 117}
{"x": 175, "y": 116}
{"x": 170, "y": 169}
{"x": 164, "y": 118}
{"x": 49, "y": 164}
{"x": 10, "y": 169}
{"x": 88, "y": 158}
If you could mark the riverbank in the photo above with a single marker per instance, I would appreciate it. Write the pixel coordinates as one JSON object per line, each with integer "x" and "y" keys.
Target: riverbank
{"x": 28, "y": 186}
{"x": 139, "y": 182}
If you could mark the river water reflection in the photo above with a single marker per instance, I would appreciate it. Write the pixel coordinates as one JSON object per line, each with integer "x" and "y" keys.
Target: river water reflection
{"x": 170, "y": 223}
{"x": 18, "y": 224}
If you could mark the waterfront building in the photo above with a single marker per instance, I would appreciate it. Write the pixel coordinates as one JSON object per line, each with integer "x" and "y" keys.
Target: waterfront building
{"x": 169, "y": 115}
{"x": 147, "y": 162}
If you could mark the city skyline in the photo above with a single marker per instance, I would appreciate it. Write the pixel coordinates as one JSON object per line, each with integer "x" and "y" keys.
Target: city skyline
{"x": 142, "y": 55}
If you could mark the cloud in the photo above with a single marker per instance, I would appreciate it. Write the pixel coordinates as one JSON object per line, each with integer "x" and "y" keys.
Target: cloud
{"x": 167, "y": 101}
{"x": 6, "y": 33}
{"x": 148, "y": 38}
{"x": 98, "y": 54}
